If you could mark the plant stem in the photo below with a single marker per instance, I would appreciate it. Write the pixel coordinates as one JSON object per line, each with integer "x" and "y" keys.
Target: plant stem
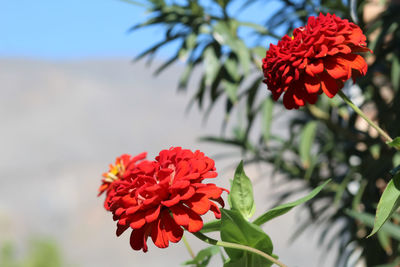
{"x": 362, "y": 115}
{"x": 211, "y": 241}
{"x": 188, "y": 247}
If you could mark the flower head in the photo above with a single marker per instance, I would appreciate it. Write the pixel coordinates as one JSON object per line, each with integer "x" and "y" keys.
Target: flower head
{"x": 121, "y": 170}
{"x": 158, "y": 198}
{"x": 319, "y": 57}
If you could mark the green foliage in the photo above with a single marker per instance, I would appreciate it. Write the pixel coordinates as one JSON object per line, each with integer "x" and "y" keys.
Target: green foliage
{"x": 236, "y": 229}
{"x": 395, "y": 143}
{"x": 211, "y": 41}
{"x": 306, "y": 141}
{"x": 388, "y": 204}
{"x": 284, "y": 208}
{"x": 41, "y": 253}
{"x": 203, "y": 257}
{"x": 241, "y": 194}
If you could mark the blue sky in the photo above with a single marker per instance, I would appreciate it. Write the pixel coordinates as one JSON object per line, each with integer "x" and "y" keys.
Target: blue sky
{"x": 70, "y": 29}
{"x": 65, "y": 29}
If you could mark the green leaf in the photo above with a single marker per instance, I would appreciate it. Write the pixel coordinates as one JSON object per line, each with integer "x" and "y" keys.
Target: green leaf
{"x": 248, "y": 260}
{"x": 260, "y": 51}
{"x": 211, "y": 226}
{"x": 375, "y": 151}
{"x": 243, "y": 53}
{"x": 306, "y": 141}
{"x": 230, "y": 90}
{"x": 368, "y": 219}
{"x": 395, "y": 143}
{"x": 396, "y": 159}
{"x": 284, "y": 208}
{"x": 211, "y": 65}
{"x": 225, "y": 34}
{"x": 389, "y": 202}
{"x": 236, "y": 229}
{"x": 231, "y": 67}
{"x": 241, "y": 195}
{"x": 385, "y": 242}
{"x": 203, "y": 257}
{"x": 268, "y": 108}
{"x": 242, "y": 262}
{"x": 395, "y": 72}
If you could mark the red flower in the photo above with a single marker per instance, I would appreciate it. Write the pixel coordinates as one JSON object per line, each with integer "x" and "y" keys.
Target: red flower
{"x": 158, "y": 198}
{"x": 123, "y": 165}
{"x": 319, "y": 57}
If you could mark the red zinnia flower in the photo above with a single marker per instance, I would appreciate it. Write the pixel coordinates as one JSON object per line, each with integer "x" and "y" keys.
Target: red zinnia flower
{"x": 158, "y": 198}
{"x": 319, "y": 57}
{"x": 123, "y": 165}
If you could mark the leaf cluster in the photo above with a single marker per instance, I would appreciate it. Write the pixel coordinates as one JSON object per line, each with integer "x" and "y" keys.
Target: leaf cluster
{"x": 321, "y": 141}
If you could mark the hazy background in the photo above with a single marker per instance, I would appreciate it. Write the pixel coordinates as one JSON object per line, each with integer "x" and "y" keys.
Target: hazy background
{"x": 71, "y": 101}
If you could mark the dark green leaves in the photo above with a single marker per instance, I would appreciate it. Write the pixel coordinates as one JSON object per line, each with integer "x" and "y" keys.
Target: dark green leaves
{"x": 282, "y": 209}
{"x": 241, "y": 195}
{"x": 236, "y": 229}
{"x": 388, "y": 203}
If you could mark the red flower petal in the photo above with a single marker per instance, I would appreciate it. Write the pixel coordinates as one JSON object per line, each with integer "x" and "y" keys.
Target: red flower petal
{"x": 214, "y": 208}
{"x": 315, "y": 67}
{"x": 137, "y": 220}
{"x": 152, "y": 214}
{"x": 173, "y": 231}
{"x": 199, "y": 203}
{"x": 158, "y": 235}
{"x": 173, "y": 201}
{"x": 121, "y": 229}
{"x": 312, "y": 84}
{"x": 180, "y": 215}
{"x": 337, "y": 68}
{"x": 329, "y": 85}
{"x": 138, "y": 239}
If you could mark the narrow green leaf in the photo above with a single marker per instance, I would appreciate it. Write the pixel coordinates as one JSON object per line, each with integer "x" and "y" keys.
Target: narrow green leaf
{"x": 368, "y": 219}
{"x": 183, "y": 80}
{"x": 284, "y": 208}
{"x": 341, "y": 188}
{"x": 226, "y": 35}
{"x": 231, "y": 90}
{"x": 236, "y": 229}
{"x": 268, "y": 108}
{"x": 396, "y": 72}
{"x": 243, "y": 53}
{"x": 389, "y": 202}
{"x": 231, "y": 67}
{"x": 306, "y": 141}
{"x": 384, "y": 241}
{"x": 241, "y": 195}
{"x": 211, "y": 65}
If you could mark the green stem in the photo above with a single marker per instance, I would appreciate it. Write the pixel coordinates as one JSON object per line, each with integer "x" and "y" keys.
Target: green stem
{"x": 224, "y": 244}
{"x": 188, "y": 247}
{"x": 362, "y": 115}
